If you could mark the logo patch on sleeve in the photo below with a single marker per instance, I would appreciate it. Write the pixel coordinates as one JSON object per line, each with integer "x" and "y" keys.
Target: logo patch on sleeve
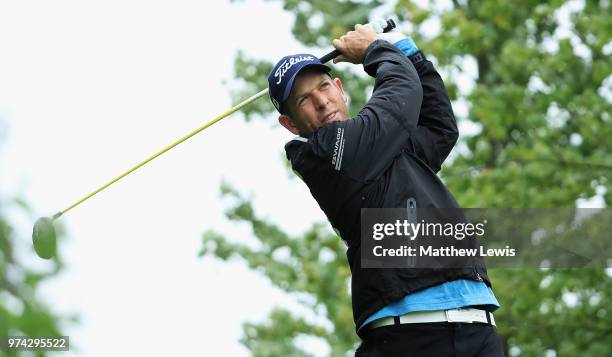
{"x": 338, "y": 149}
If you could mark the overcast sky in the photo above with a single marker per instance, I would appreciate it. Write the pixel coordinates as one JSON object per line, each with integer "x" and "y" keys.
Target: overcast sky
{"x": 90, "y": 88}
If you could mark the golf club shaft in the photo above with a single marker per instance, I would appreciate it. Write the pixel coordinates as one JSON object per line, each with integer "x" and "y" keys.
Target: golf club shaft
{"x": 331, "y": 55}
{"x": 184, "y": 138}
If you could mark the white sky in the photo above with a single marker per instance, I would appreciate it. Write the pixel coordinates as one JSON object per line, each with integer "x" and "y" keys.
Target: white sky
{"x": 90, "y": 88}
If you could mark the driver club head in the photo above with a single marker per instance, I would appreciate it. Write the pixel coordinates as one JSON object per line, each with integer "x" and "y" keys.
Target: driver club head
{"x": 44, "y": 238}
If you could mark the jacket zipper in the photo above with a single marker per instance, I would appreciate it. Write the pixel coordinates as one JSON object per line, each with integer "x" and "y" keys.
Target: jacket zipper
{"x": 411, "y": 203}
{"x": 412, "y": 217}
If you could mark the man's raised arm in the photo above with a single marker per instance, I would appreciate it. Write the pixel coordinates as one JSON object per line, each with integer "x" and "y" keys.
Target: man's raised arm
{"x": 371, "y": 140}
{"x": 436, "y": 132}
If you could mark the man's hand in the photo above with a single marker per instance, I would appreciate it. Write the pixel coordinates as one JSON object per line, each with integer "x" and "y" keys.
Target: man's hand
{"x": 354, "y": 44}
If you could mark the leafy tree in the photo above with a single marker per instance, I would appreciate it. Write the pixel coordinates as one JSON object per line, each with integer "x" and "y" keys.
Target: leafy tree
{"x": 540, "y": 98}
{"x": 311, "y": 266}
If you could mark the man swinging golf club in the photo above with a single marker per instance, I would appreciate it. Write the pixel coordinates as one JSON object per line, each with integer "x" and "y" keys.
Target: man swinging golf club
{"x": 386, "y": 156}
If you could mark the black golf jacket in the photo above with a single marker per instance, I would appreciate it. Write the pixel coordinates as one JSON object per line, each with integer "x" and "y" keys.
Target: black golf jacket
{"x": 385, "y": 157}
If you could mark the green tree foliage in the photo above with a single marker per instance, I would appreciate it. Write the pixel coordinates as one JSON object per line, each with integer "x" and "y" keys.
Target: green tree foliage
{"x": 311, "y": 266}
{"x": 22, "y": 311}
{"x": 539, "y": 101}
{"x": 540, "y": 98}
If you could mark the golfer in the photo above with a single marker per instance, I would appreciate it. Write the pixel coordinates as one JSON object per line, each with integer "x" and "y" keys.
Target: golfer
{"x": 386, "y": 156}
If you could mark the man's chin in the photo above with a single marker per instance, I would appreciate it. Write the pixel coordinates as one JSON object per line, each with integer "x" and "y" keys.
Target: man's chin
{"x": 336, "y": 118}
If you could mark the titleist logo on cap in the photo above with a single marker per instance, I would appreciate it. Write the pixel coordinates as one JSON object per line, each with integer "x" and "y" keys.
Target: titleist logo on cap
{"x": 284, "y": 67}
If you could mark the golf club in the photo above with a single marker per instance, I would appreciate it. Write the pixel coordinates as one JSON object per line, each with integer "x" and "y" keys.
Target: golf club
{"x": 44, "y": 236}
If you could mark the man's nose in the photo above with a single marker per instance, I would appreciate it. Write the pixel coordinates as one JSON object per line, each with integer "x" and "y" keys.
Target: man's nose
{"x": 320, "y": 99}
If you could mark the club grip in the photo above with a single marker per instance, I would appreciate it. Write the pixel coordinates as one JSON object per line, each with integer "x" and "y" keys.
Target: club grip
{"x": 335, "y": 53}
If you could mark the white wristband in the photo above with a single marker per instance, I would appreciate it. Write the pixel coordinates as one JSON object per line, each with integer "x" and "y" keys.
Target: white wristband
{"x": 377, "y": 25}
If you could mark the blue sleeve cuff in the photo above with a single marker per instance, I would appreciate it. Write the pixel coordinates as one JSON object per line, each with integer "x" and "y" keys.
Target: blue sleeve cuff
{"x": 407, "y": 46}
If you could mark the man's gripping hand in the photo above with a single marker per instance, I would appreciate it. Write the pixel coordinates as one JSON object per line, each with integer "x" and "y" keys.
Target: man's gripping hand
{"x": 354, "y": 44}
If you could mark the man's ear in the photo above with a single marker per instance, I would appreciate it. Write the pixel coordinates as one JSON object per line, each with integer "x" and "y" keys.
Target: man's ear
{"x": 288, "y": 124}
{"x": 338, "y": 83}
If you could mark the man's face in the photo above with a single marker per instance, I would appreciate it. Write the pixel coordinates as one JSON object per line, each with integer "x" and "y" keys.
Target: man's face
{"x": 315, "y": 100}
